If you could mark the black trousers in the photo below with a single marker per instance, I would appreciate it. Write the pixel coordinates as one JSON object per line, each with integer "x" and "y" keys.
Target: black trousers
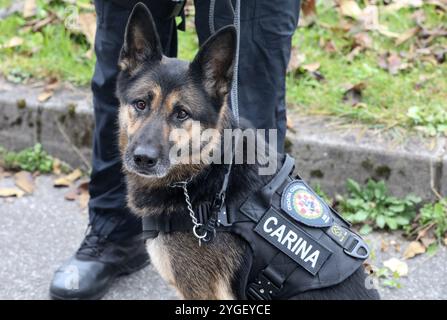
{"x": 267, "y": 27}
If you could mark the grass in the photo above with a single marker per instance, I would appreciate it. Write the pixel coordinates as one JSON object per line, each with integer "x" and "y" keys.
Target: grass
{"x": 387, "y": 100}
{"x": 52, "y": 52}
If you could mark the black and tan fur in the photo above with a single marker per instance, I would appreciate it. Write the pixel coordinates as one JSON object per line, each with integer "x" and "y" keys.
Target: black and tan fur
{"x": 200, "y": 88}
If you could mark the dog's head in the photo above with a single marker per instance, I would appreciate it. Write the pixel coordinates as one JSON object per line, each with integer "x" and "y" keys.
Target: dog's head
{"x": 158, "y": 94}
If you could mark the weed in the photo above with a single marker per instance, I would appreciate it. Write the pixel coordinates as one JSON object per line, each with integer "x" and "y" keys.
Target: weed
{"x": 30, "y": 159}
{"x": 372, "y": 206}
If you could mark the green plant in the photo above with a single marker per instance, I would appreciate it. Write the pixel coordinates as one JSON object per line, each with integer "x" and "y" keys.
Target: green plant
{"x": 387, "y": 278}
{"x": 435, "y": 215}
{"x": 372, "y": 206}
{"x": 323, "y": 195}
{"x": 30, "y": 159}
{"x": 431, "y": 122}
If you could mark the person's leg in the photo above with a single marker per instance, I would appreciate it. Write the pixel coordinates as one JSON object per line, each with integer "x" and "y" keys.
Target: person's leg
{"x": 266, "y": 32}
{"x": 112, "y": 246}
{"x": 107, "y": 207}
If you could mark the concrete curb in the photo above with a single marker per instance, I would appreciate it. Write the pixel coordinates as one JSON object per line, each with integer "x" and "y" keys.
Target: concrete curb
{"x": 326, "y": 152}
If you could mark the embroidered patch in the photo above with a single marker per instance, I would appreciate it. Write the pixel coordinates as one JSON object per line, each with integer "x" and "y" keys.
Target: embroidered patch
{"x": 293, "y": 241}
{"x": 303, "y": 205}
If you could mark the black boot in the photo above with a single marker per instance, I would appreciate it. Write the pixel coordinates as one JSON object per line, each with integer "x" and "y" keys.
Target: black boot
{"x": 91, "y": 271}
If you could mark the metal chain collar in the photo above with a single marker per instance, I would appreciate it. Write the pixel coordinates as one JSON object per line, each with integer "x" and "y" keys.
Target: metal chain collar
{"x": 195, "y": 222}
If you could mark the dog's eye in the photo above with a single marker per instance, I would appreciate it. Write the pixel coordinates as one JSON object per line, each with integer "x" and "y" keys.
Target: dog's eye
{"x": 182, "y": 115}
{"x": 140, "y": 105}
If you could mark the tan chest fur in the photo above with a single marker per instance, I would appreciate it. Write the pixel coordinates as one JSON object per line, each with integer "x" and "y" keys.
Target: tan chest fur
{"x": 160, "y": 259}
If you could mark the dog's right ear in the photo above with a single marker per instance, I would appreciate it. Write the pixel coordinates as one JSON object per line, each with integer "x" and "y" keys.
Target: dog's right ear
{"x": 141, "y": 41}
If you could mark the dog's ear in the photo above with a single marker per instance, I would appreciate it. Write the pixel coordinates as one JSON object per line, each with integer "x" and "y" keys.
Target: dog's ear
{"x": 213, "y": 64}
{"x": 141, "y": 41}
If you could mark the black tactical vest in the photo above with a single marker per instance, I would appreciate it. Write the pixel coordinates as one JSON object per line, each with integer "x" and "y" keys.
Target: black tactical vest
{"x": 298, "y": 243}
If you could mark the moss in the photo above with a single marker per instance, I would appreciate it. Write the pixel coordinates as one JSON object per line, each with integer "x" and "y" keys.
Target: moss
{"x": 21, "y": 103}
{"x": 383, "y": 172}
{"x": 317, "y": 174}
{"x": 71, "y": 108}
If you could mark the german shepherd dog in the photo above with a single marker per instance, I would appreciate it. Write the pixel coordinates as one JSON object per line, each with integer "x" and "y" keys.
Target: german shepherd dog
{"x": 158, "y": 94}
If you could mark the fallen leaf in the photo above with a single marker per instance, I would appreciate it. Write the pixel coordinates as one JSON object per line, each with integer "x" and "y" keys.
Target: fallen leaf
{"x": 394, "y": 63}
{"x": 67, "y": 180}
{"x": 29, "y": 8}
{"x": 87, "y": 25}
{"x": 309, "y": 7}
{"x": 350, "y": 8}
{"x": 311, "y": 67}
{"x": 329, "y": 47}
{"x": 397, "y": 266}
{"x": 296, "y": 59}
{"x": 363, "y": 40}
{"x": 354, "y": 53}
{"x": 45, "y": 95}
{"x": 384, "y": 245}
{"x": 413, "y": 249}
{"x": 290, "y": 125}
{"x": 84, "y": 198}
{"x": 427, "y": 241}
{"x": 48, "y": 90}
{"x": 25, "y": 181}
{"x": 353, "y": 93}
{"x": 407, "y": 35}
{"x": 400, "y": 4}
{"x": 71, "y": 194}
{"x": 370, "y": 18}
{"x": 11, "y": 192}
{"x": 57, "y": 166}
{"x": 13, "y": 42}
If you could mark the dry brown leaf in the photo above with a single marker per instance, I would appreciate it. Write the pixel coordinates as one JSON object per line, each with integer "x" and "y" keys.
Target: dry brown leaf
{"x": 29, "y": 9}
{"x": 83, "y": 199}
{"x": 329, "y": 47}
{"x": 289, "y": 124}
{"x": 25, "y": 181}
{"x": 311, "y": 67}
{"x": 353, "y": 93}
{"x": 407, "y": 35}
{"x": 87, "y": 24}
{"x": 71, "y": 194}
{"x": 296, "y": 60}
{"x": 427, "y": 241}
{"x": 384, "y": 245}
{"x": 413, "y": 249}
{"x": 396, "y": 265}
{"x": 13, "y": 42}
{"x": 350, "y": 8}
{"x": 57, "y": 166}
{"x": 39, "y": 24}
{"x": 399, "y": 4}
{"x": 363, "y": 40}
{"x": 45, "y": 95}
{"x": 67, "y": 180}
{"x": 11, "y": 192}
{"x": 394, "y": 63}
{"x": 48, "y": 90}
{"x": 84, "y": 195}
{"x": 309, "y": 7}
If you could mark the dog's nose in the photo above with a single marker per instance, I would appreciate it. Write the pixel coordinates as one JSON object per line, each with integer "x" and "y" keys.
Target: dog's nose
{"x": 145, "y": 157}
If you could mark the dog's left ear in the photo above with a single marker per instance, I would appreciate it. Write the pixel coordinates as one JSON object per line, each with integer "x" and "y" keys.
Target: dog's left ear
{"x": 213, "y": 64}
{"x": 141, "y": 41}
